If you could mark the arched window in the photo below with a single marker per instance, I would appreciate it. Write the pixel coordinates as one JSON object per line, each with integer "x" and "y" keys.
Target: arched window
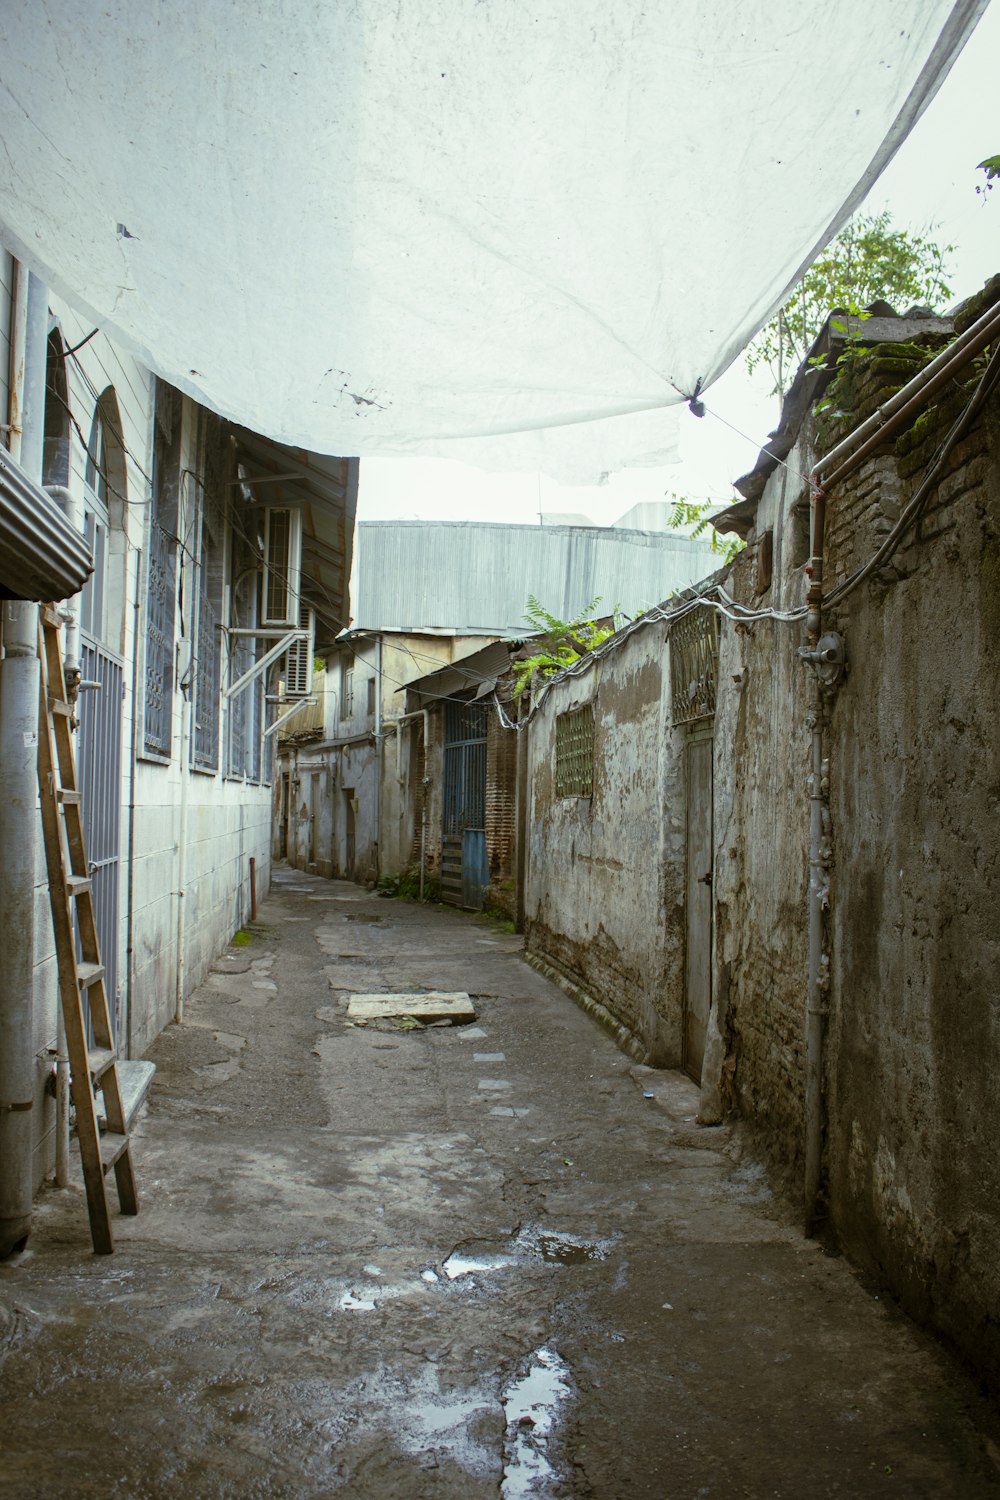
{"x": 55, "y": 461}
{"x": 102, "y": 604}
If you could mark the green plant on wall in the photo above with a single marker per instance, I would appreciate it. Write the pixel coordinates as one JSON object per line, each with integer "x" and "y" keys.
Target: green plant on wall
{"x": 563, "y": 641}
{"x": 695, "y": 517}
{"x": 869, "y": 260}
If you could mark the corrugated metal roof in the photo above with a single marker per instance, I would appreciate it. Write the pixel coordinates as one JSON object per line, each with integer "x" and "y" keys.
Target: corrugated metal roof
{"x": 479, "y": 670}
{"x": 474, "y": 575}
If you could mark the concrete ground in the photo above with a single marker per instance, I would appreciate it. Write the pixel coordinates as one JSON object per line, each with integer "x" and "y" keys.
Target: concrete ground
{"x": 496, "y": 1259}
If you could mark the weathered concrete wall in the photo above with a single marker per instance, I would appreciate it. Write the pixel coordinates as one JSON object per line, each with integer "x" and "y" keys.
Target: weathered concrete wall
{"x": 914, "y": 1067}
{"x": 761, "y": 764}
{"x": 913, "y": 1048}
{"x": 604, "y": 901}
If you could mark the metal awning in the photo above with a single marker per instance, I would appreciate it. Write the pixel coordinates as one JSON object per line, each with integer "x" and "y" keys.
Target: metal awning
{"x": 41, "y": 555}
{"x": 325, "y": 489}
{"x": 477, "y": 673}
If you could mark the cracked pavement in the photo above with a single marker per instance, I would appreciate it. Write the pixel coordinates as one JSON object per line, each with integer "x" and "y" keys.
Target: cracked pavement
{"x": 460, "y": 1261}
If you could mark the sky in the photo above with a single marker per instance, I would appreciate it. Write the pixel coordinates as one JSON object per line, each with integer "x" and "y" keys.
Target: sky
{"x": 929, "y": 187}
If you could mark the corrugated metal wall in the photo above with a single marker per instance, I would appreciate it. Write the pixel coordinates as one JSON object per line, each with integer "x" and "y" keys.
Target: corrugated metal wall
{"x": 473, "y": 575}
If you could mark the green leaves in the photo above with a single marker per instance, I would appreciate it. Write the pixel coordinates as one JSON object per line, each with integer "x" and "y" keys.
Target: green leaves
{"x": 565, "y": 641}
{"x": 991, "y": 166}
{"x": 696, "y": 517}
{"x": 869, "y": 260}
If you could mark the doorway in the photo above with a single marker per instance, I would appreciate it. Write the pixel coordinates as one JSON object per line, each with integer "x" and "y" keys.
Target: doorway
{"x": 464, "y": 868}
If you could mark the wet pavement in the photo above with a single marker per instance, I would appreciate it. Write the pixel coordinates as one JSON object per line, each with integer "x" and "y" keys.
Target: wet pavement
{"x": 455, "y": 1261}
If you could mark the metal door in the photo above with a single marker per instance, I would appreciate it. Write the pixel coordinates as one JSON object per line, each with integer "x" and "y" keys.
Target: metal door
{"x": 99, "y": 759}
{"x": 698, "y": 951}
{"x": 464, "y": 871}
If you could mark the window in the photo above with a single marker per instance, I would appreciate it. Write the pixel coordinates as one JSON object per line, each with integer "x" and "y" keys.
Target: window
{"x": 55, "y": 464}
{"x": 161, "y": 566}
{"x": 347, "y": 687}
{"x": 694, "y": 665}
{"x": 575, "y": 753}
{"x": 371, "y": 695}
{"x": 764, "y": 562}
{"x": 97, "y": 456}
{"x": 208, "y": 637}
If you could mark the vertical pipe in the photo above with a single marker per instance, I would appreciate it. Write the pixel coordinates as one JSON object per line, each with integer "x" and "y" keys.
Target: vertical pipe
{"x": 182, "y": 845}
{"x": 18, "y": 786}
{"x": 816, "y": 983}
{"x": 253, "y": 889}
{"x": 19, "y": 705}
{"x": 188, "y": 674}
{"x": 133, "y": 759}
{"x": 378, "y": 757}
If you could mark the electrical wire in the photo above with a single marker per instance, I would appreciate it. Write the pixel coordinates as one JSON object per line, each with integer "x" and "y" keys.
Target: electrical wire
{"x": 910, "y": 516}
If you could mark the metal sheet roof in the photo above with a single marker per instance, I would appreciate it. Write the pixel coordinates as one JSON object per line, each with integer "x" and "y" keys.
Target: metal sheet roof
{"x": 478, "y": 671}
{"x": 473, "y": 575}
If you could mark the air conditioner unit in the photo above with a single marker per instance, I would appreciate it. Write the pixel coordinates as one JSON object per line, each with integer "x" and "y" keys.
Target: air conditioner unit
{"x": 282, "y": 566}
{"x": 299, "y": 658}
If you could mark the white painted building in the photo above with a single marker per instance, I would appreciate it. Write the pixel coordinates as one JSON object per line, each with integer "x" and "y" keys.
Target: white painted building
{"x": 215, "y": 552}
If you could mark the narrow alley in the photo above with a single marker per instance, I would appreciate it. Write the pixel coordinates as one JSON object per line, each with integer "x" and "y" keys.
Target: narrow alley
{"x": 451, "y": 1261}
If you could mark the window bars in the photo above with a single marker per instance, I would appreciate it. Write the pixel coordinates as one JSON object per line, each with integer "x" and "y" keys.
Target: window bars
{"x": 694, "y": 666}
{"x": 575, "y": 753}
{"x": 159, "y": 640}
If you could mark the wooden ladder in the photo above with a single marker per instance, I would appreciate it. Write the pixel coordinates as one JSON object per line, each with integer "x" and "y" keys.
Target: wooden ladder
{"x": 93, "y": 1069}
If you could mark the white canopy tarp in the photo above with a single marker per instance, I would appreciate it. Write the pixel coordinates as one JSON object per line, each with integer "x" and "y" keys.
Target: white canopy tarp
{"x": 506, "y": 232}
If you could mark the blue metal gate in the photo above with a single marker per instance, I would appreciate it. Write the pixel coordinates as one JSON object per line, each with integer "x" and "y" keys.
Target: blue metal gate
{"x": 99, "y": 759}
{"x": 464, "y": 871}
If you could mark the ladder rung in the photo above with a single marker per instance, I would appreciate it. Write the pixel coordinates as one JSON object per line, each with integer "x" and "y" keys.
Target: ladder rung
{"x": 76, "y": 885}
{"x": 68, "y": 797}
{"x": 50, "y": 616}
{"x": 88, "y": 974}
{"x": 99, "y": 1060}
{"x": 57, "y": 706}
{"x": 112, "y": 1148}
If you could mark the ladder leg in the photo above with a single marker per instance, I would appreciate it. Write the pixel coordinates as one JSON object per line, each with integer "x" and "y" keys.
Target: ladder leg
{"x": 66, "y": 863}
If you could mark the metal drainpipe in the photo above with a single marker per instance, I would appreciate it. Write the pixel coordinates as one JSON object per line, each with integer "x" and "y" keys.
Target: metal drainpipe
{"x": 825, "y": 656}
{"x": 130, "y": 918}
{"x": 189, "y": 667}
{"x": 815, "y": 994}
{"x": 378, "y": 757}
{"x": 423, "y": 802}
{"x": 19, "y": 688}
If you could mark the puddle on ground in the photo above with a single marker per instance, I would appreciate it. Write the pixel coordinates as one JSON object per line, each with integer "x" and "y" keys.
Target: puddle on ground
{"x": 533, "y": 1242}
{"x": 531, "y": 1406}
{"x": 351, "y": 1301}
{"x": 362, "y": 916}
{"x": 563, "y": 1249}
{"x": 466, "y": 1265}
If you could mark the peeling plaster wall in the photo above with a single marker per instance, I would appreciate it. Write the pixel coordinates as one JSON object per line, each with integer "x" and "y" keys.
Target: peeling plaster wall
{"x": 912, "y": 1075}
{"x": 604, "y": 900}
{"x": 914, "y": 1064}
{"x": 761, "y": 835}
